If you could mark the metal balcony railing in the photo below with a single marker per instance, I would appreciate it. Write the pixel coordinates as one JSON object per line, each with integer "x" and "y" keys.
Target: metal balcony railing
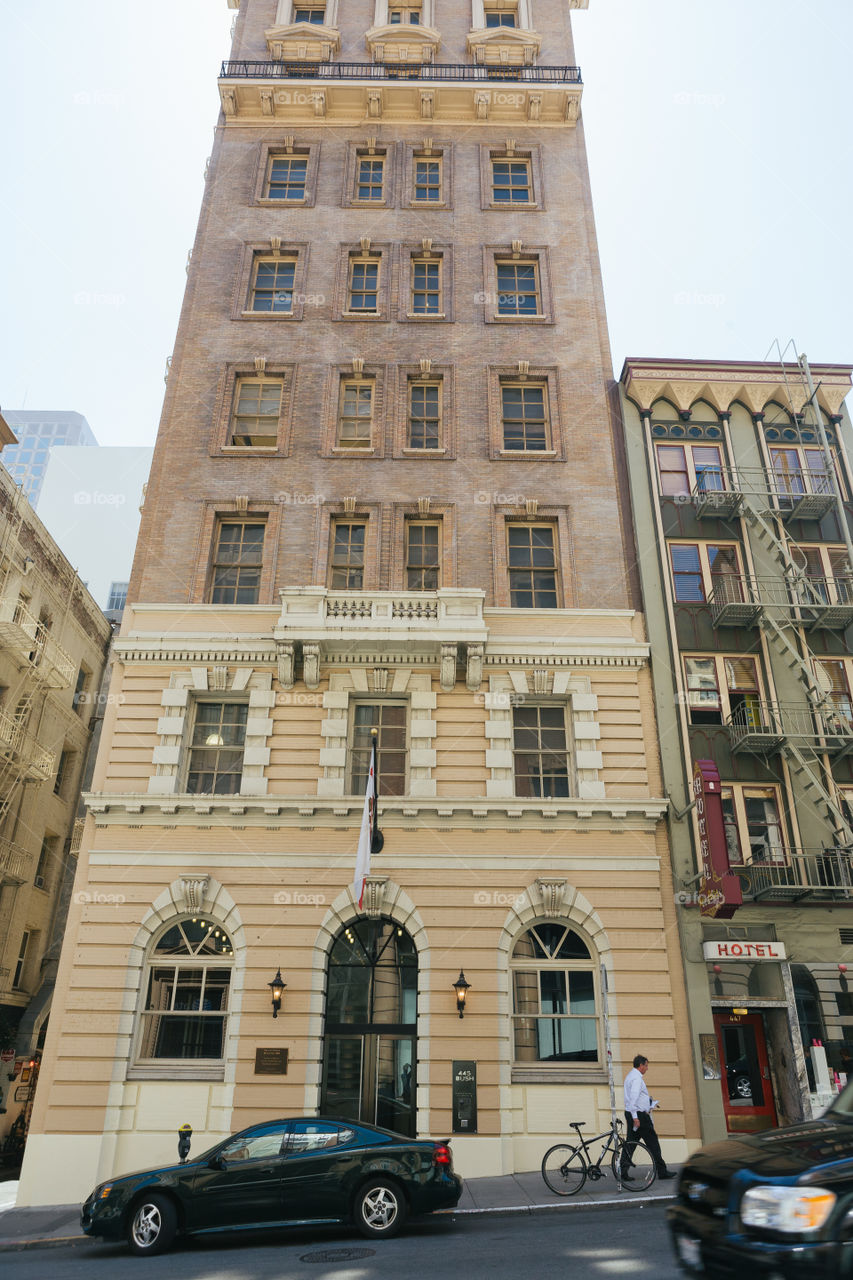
{"x": 34, "y": 761}
{"x": 793, "y": 495}
{"x": 15, "y": 861}
{"x": 717, "y": 493}
{"x": 764, "y": 728}
{"x": 29, "y": 639}
{"x": 735, "y": 600}
{"x": 800, "y": 873}
{"x": 267, "y": 69}
{"x": 739, "y": 600}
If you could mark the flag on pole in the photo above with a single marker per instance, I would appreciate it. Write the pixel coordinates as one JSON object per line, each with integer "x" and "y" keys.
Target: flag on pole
{"x": 365, "y": 839}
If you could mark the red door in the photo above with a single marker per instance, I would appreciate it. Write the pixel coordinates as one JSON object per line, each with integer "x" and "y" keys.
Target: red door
{"x": 747, "y": 1088}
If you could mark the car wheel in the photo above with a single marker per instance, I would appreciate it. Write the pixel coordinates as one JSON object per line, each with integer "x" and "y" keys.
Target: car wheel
{"x": 380, "y": 1209}
{"x": 743, "y": 1087}
{"x": 152, "y": 1226}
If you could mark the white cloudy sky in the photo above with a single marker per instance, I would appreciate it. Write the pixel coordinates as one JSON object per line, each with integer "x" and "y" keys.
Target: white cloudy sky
{"x": 719, "y": 134}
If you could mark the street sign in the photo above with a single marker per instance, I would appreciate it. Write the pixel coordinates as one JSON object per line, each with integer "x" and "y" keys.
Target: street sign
{"x": 7, "y": 1055}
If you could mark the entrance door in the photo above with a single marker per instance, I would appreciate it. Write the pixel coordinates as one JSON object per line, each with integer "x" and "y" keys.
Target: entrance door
{"x": 370, "y": 1053}
{"x": 747, "y": 1089}
{"x": 371, "y": 1078}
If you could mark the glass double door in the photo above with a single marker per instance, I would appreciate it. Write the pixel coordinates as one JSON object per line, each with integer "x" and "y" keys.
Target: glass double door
{"x": 747, "y": 1088}
{"x": 370, "y": 1076}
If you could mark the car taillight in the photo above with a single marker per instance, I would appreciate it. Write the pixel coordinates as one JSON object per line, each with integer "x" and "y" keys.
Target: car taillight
{"x": 442, "y": 1154}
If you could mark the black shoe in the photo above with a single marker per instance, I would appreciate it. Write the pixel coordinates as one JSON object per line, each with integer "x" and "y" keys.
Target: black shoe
{"x": 625, "y": 1176}
{"x": 664, "y": 1174}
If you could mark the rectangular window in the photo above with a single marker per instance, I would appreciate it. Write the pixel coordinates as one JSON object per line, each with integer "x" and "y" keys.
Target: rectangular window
{"x": 370, "y": 179}
{"x": 363, "y": 290}
{"x": 310, "y": 13}
{"x": 216, "y": 749}
{"x": 257, "y": 409}
{"x": 426, "y": 287}
{"x": 185, "y": 1012}
{"x": 555, "y": 1016}
{"x": 272, "y": 286}
{"x": 798, "y": 471}
{"x": 682, "y": 468}
{"x": 46, "y": 863}
{"x": 518, "y": 289}
{"x": 18, "y": 979}
{"x": 753, "y": 823}
{"x": 427, "y": 180}
{"x": 346, "y": 557}
{"x": 511, "y": 182}
{"x": 424, "y": 415}
{"x": 389, "y": 718}
{"x": 540, "y": 752}
{"x": 719, "y": 687}
{"x": 237, "y": 563}
{"x": 410, "y": 15}
{"x": 832, "y": 676}
{"x": 700, "y": 568}
{"x": 423, "y": 571}
{"x": 355, "y": 419}
{"x": 501, "y": 18}
{"x": 525, "y": 417}
{"x": 287, "y": 177}
{"x": 118, "y": 595}
{"x": 828, "y": 572}
{"x": 63, "y": 772}
{"x": 79, "y": 699}
{"x": 532, "y": 566}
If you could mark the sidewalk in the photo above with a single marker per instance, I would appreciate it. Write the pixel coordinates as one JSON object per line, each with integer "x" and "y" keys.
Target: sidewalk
{"x": 512, "y": 1193}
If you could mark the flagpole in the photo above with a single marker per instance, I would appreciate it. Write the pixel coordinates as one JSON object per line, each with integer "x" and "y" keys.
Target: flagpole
{"x": 378, "y": 839}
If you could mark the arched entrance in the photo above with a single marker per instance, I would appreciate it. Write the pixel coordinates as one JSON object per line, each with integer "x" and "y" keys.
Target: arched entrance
{"x": 370, "y": 1043}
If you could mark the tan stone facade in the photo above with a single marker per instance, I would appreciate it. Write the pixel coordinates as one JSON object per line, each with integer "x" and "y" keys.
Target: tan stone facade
{"x": 386, "y": 490}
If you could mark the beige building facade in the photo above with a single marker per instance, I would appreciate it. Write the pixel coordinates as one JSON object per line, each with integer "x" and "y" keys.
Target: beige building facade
{"x": 387, "y": 494}
{"x": 53, "y": 643}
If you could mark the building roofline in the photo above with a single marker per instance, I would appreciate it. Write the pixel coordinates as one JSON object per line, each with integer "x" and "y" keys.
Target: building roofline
{"x": 643, "y": 364}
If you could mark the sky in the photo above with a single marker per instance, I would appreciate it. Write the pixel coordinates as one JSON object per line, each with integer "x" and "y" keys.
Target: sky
{"x": 719, "y": 137}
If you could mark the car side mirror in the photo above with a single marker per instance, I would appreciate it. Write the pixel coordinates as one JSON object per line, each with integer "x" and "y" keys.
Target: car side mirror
{"x": 216, "y": 1162}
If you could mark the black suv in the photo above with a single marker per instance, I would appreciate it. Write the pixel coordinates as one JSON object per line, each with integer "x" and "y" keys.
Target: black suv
{"x": 777, "y": 1204}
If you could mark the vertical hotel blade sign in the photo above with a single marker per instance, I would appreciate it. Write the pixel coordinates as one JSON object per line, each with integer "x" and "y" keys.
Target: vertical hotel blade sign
{"x": 720, "y": 892}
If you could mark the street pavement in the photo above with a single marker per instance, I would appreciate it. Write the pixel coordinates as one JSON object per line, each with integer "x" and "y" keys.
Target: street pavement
{"x": 513, "y": 1194}
{"x": 550, "y": 1246}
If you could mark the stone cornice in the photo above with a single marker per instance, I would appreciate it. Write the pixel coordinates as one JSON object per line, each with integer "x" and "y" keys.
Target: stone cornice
{"x": 722, "y": 383}
{"x": 313, "y": 812}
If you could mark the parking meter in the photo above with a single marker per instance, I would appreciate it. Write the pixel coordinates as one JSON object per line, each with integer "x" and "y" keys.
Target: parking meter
{"x": 185, "y": 1133}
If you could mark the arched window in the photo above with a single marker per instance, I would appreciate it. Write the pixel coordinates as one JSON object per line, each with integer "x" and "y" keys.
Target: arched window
{"x": 187, "y": 980}
{"x": 555, "y": 997}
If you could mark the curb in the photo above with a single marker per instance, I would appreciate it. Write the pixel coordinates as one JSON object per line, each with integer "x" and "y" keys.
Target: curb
{"x": 512, "y": 1210}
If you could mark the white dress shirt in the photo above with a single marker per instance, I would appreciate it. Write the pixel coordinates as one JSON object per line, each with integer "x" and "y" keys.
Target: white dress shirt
{"x": 636, "y": 1094}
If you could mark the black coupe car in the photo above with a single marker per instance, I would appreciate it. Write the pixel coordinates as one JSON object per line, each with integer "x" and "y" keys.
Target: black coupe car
{"x": 284, "y": 1173}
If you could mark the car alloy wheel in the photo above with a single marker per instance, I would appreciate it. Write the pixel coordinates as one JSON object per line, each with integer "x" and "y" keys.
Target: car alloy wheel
{"x": 380, "y": 1209}
{"x": 152, "y": 1226}
{"x": 743, "y": 1087}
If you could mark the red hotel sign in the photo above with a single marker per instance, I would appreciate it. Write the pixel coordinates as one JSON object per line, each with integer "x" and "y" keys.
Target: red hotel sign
{"x": 719, "y": 891}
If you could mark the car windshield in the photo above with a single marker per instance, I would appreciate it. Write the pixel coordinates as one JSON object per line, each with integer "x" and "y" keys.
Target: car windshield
{"x": 842, "y": 1107}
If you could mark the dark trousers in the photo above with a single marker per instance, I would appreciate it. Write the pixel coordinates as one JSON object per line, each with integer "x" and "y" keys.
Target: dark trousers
{"x": 645, "y": 1133}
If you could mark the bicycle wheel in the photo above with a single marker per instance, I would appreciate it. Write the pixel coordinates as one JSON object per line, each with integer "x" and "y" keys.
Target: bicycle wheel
{"x": 564, "y": 1170}
{"x": 640, "y": 1172}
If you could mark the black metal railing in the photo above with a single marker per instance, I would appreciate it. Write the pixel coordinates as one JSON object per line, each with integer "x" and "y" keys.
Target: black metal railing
{"x": 424, "y": 71}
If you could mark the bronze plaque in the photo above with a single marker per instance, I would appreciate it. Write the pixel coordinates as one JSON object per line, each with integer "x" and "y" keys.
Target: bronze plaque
{"x": 710, "y": 1057}
{"x": 270, "y": 1062}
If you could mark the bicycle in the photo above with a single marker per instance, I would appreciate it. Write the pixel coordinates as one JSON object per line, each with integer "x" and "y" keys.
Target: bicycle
{"x": 566, "y": 1168}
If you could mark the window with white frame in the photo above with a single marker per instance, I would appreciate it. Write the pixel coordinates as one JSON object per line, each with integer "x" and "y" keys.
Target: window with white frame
{"x": 355, "y": 414}
{"x": 256, "y": 411}
{"x": 390, "y": 719}
{"x": 719, "y": 687}
{"x": 185, "y": 1004}
{"x": 215, "y": 764}
{"x": 828, "y": 570}
{"x": 346, "y": 554}
{"x": 753, "y": 824}
{"x": 834, "y": 678}
{"x": 798, "y": 470}
{"x": 556, "y": 1014}
{"x": 118, "y": 595}
{"x": 698, "y": 568}
{"x": 685, "y": 467}
{"x": 272, "y": 285}
{"x": 424, "y": 414}
{"x": 287, "y": 177}
{"x": 363, "y": 285}
{"x": 423, "y": 555}
{"x": 540, "y": 750}
{"x": 427, "y": 179}
{"x": 532, "y": 566}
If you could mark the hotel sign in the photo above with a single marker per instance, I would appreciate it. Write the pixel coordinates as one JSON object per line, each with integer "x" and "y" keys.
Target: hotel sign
{"x": 744, "y": 951}
{"x": 720, "y": 892}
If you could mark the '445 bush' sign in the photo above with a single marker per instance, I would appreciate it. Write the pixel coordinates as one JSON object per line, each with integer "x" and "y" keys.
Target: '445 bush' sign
{"x": 720, "y": 892}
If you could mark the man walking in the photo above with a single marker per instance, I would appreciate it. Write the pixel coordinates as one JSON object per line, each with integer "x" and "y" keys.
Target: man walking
{"x": 638, "y": 1118}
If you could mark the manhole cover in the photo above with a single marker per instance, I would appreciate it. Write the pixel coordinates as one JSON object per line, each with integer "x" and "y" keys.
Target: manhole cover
{"x": 337, "y": 1255}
